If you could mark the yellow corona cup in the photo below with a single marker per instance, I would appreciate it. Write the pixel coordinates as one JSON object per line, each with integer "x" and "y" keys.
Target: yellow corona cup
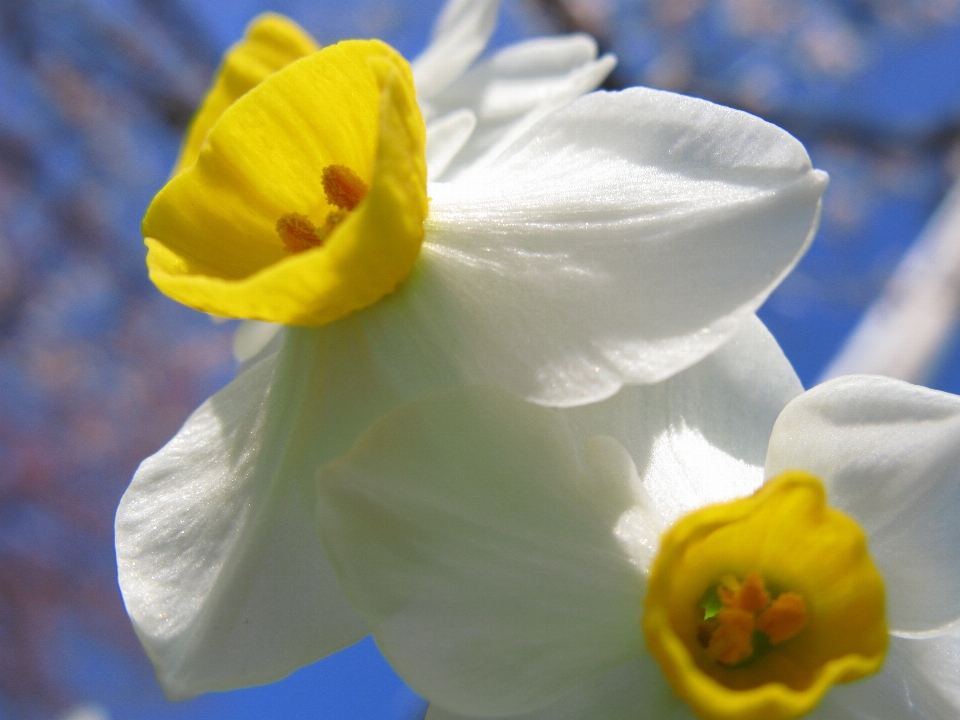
{"x": 271, "y": 43}
{"x": 307, "y": 197}
{"x": 757, "y": 606}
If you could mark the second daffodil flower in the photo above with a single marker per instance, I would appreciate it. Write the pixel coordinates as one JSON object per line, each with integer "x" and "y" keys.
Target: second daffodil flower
{"x": 626, "y": 560}
{"x": 555, "y": 247}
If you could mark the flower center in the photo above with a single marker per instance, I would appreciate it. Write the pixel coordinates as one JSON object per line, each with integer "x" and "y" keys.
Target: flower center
{"x": 755, "y": 607}
{"x": 344, "y": 189}
{"x": 739, "y": 619}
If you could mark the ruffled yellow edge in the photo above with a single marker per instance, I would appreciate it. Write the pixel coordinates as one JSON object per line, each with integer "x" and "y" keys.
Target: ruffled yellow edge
{"x": 773, "y": 700}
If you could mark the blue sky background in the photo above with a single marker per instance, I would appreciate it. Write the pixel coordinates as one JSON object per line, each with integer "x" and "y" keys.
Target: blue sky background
{"x": 97, "y": 369}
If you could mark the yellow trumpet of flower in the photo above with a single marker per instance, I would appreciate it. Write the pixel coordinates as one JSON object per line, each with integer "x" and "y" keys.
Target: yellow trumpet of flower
{"x": 212, "y": 232}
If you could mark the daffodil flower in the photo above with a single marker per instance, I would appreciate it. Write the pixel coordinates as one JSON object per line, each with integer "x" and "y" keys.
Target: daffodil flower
{"x": 220, "y": 562}
{"x": 627, "y": 560}
{"x": 468, "y": 121}
{"x": 562, "y": 248}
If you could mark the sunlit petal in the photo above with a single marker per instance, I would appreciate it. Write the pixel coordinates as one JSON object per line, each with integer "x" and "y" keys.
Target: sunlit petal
{"x": 221, "y": 564}
{"x": 466, "y": 529}
{"x": 516, "y": 87}
{"x": 889, "y": 453}
{"x": 621, "y": 240}
{"x": 701, "y": 437}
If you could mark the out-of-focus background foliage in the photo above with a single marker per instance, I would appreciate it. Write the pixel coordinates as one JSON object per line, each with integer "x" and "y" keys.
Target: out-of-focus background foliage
{"x": 97, "y": 369}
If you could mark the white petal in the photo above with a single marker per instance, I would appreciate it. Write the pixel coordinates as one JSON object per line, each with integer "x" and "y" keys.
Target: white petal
{"x": 221, "y": 564}
{"x": 701, "y": 437}
{"x": 621, "y": 240}
{"x": 639, "y": 527}
{"x": 519, "y": 77}
{"x": 889, "y": 452}
{"x": 516, "y": 87}
{"x": 919, "y": 681}
{"x": 252, "y": 337}
{"x": 466, "y": 529}
{"x": 630, "y": 691}
{"x": 445, "y": 137}
{"x": 493, "y": 137}
{"x": 459, "y": 36}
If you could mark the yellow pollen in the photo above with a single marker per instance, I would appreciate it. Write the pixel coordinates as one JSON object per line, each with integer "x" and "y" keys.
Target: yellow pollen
{"x": 344, "y": 189}
{"x": 729, "y": 635}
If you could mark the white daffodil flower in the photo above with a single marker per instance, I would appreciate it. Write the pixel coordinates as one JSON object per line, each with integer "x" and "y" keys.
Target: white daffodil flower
{"x": 220, "y": 562}
{"x": 473, "y": 113}
{"x": 521, "y": 562}
{"x": 562, "y": 253}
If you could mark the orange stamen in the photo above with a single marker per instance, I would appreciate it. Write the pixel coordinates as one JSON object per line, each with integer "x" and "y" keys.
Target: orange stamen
{"x": 728, "y": 636}
{"x": 750, "y": 595}
{"x": 784, "y": 618}
{"x": 732, "y": 641}
{"x": 297, "y": 232}
{"x": 343, "y": 187}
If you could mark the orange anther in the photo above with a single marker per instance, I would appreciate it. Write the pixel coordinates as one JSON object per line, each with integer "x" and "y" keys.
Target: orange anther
{"x": 297, "y": 232}
{"x": 343, "y": 187}
{"x": 784, "y": 618}
{"x": 728, "y": 590}
{"x": 751, "y": 594}
{"x": 732, "y": 642}
{"x": 728, "y": 635}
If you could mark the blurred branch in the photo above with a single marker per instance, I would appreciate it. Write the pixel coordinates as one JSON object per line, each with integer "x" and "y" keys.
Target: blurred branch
{"x": 902, "y": 334}
{"x": 568, "y": 16}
